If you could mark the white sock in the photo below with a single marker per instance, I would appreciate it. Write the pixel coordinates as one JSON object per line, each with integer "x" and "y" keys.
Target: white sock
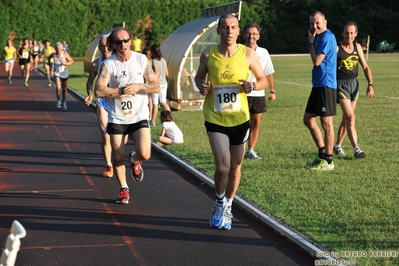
{"x": 229, "y": 201}
{"x": 221, "y": 196}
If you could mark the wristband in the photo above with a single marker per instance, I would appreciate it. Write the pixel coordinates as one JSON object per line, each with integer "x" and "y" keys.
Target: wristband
{"x": 123, "y": 89}
{"x": 371, "y": 84}
{"x": 273, "y": 92}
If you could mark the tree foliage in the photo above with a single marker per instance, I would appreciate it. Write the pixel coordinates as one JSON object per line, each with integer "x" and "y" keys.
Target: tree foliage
{"x": 284, "y": 23}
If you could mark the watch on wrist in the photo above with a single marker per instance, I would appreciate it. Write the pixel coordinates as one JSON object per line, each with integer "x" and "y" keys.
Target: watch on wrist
{"x": 371, "y": 84}
{"x": 253, "y": 86}
{"x": 273, "y": 92}
{"x": 123, "y": 89}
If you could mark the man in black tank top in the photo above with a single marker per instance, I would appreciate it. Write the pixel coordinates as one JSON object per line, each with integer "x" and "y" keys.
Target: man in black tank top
{"x": 349, "y": 55}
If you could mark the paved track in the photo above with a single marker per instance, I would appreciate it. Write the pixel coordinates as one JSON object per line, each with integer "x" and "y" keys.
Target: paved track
{"x": 50, "y": 181}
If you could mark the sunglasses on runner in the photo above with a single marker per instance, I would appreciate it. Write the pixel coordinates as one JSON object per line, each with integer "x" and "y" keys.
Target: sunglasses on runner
{"x": 119, "y": 42}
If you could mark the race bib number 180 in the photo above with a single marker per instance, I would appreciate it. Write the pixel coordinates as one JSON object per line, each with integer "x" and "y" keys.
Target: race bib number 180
{"x": 124, "y": 106}
{"x": 226, "y": 98}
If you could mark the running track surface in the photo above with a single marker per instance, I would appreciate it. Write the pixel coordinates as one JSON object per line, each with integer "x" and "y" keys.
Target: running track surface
{"x": 51, "y": 181}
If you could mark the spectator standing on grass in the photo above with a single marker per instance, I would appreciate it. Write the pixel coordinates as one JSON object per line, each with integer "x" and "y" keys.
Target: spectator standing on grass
{"x": 256, "y": 99}
{"x": 147, "y": 52}
{"x": 48, "y": 50}
{"x": 323, "y": 97}
{"x": 61, "y": 60}
{"x": 24, "y": 59}
{"x": 350, "y": 54}
{"x": 136, "y": 44}
{"x": 170, "y": 132}
{"x": 9, "y": 55}
{"x": 227, "y": 67}
{"x": 101, "y": 109}
{"x": 126, "y": 78}
{"x": 161, "y": 70}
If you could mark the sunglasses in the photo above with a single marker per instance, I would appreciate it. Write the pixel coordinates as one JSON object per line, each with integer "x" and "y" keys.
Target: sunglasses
{"x": 119, "y": 42}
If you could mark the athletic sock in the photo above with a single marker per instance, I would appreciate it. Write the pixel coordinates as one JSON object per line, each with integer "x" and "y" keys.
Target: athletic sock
{"x": 322, "y": 153}
{"x": 221, "y": 196}
{"x": 329, "y": 158}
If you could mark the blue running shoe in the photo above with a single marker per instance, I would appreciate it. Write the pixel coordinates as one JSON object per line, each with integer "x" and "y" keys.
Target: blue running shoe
{"x": 218, "y": 216}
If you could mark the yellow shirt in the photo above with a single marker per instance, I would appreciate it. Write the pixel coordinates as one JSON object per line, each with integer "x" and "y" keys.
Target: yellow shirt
{"x": 47, "y": 52}
{"x": 9, "y": 52}
{"x": 226, "y": 103}
{"x": 137, "y": 45}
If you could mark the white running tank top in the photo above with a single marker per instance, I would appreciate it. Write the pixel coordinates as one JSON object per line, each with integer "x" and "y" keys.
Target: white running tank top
{"x": 59, "y": 69}
{"x": 127, "y": 109}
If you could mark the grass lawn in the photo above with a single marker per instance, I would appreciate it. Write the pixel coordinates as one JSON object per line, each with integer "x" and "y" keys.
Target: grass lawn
{"x": 353, "y": 208}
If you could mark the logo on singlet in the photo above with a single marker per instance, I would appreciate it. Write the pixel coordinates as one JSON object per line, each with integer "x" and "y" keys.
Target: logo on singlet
{"x": 349, "y": 63}
{"x": 226, "y": 75}
{"x": 122, "y": 75}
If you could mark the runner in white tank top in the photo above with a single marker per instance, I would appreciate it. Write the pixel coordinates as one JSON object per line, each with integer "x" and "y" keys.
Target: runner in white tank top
{"x": 121, "y": 80}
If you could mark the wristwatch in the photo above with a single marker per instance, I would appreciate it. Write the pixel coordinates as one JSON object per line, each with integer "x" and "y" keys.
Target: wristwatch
{"x": 273, "y": 92}
{"x": 254, "y": 86}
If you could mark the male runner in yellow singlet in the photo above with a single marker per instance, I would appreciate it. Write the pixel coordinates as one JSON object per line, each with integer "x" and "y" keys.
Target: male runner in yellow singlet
{"x": 226, "y": 113}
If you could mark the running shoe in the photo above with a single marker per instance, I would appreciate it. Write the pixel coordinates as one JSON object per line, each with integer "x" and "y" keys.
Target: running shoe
{"x": 314, "y": 161}
{"x": 252, "y": 155}
{"x": 220, "y": 218}
{"x": 58, "y": 105}
{"x": 9, "y": 80}
{"x": 339, "y": 151}
{"x": 123, "y": 196}
{"x": 359, "y": 154}
{"x": 64, "y": 106}
{"x": 49, "y": 84}
{"x": 228, "y": 218}
{"x": 323, "y": 165}
{"x": 108, "y": 171}
{"x": 137, "y": 172}
{"x": 26, "y": 84}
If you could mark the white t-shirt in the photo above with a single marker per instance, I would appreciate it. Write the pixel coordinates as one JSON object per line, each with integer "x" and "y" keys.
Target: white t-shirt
{"x": 267, "y": 66}
{"x": 173, "y": 132}
{"x": 127, "y": 109}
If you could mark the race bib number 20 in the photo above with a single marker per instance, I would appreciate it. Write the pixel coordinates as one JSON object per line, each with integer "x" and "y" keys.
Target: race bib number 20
{"x": 226, "y": 98}
{"x": 124, "y": 106}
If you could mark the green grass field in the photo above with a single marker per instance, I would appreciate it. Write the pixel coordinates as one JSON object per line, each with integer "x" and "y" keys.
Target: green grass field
{"x": 353, "y": 208}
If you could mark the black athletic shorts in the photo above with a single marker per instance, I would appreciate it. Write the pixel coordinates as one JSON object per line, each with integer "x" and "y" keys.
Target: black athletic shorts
{"x": 23, "y": 61}
{"x": 237, "y": 134}
{"x": 257, "y": 105}
{"x": 322, "y": 102}
{"x": 119, "y": 129}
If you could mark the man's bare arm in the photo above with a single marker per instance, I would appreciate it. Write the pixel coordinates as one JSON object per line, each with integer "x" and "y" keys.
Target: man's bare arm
{"x": 102, "y": 90}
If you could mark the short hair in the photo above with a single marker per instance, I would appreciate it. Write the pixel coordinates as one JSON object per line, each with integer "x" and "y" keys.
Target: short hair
{"x": 111, "y": 36}
{"x": 102, "y": 37}
{"x": 251, "y": 25}
{"x": 223, "y": 17}
{"x": 58, "y": 43}
{"x": 351, "y": 23}
{"x": 317, "y": 13}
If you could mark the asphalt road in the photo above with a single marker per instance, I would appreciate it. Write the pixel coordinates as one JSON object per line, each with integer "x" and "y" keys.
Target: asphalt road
{"x": 51, "y": 182}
